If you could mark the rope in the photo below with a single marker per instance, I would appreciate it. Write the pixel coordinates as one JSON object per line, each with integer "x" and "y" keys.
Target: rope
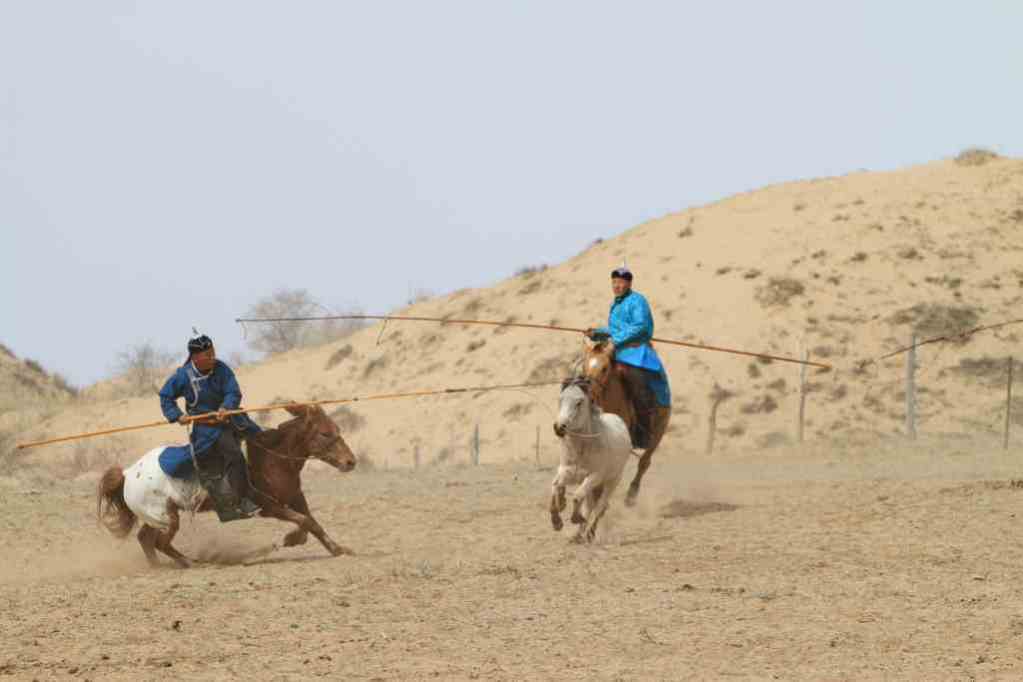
{"x": 527, "y": 325}
{"x": 280, "y": 406}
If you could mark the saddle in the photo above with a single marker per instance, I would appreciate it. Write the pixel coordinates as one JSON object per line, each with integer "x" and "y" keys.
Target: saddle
{"x": 176, "y": 461}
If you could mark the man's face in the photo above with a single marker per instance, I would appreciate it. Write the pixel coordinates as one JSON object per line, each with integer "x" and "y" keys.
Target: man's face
{"x": 205, "y": 360}
{"x": 620, "y": 285}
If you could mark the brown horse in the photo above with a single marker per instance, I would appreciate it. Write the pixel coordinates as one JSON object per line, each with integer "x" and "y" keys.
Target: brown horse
{"x": 275, "y": 461}
{"x": 608, "y": 390}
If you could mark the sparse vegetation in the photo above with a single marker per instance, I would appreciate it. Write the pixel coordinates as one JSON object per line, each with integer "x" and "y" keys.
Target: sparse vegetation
{"x": 975, "y": 156}
{"x": 475, "y": 345}
{"x": 373, "y": 365}
{"x": 347, "y": 420}
{"x": 279, "y": 337}
{"x": 934, "y": 319}
{"x": 339, "y": 356}
{"x": 528, "y": 271}
{"x": 779, "y": 291}
{"x": 143, "y": 366}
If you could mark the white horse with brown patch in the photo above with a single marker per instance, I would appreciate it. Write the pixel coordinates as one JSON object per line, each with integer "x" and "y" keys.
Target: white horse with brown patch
{"x": 595, "y": 449}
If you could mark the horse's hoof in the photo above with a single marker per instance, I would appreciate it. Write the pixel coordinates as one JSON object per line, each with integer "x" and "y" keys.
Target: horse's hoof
{"x": 295, "y": 538}
{"x": 630, "y": 498}
{"x": 183, "y": 563}
{"x": 578, "y": 518}
{"x": 556, "y": 522}
{"x": 578, "y": 539}
{"x": 339, "y": 550}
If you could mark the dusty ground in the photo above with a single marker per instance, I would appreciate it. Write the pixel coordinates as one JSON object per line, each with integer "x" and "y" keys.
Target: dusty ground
{"x": 883, "y": 563}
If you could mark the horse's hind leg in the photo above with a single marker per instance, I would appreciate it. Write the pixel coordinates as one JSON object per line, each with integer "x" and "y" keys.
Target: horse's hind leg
{"x": 164, "y": 538}
{"x": 299, "y": 535}
{"x": 147, "y": 538}
{"x": 660, "y": 425}
{"x": 644, "y": 464}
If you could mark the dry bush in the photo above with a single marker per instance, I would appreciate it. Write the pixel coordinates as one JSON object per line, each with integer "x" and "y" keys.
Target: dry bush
{"x": 779, "y": 291}
{"x": 528, "y": 271}
{"x": 975, "y": 156}
{"x": 552, "y": 369}
{"x": 517, "y": 410}
{"x": 338, "y": 356}
{"x": 986, "y": 369}
{"x": 88, "y": 457}
{"x": 475, "y": 345}
{"x": 935, "y": 319}
{"x": 279, "y": 337}
{"x": 373, "y": 365}
{"x": 765, "y": 404}
{"x": 347, "y": 419}
{"x": 143, "y": 366}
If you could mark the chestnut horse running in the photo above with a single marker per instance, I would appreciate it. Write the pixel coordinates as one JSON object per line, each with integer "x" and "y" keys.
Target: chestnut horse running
{"x": 275, "y": 460}
{"x": 608, "y": 390}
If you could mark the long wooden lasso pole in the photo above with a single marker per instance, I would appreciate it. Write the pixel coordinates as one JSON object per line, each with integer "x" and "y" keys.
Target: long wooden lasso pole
{"x": 281, "y": 406}
{"x": 551, "y": 327}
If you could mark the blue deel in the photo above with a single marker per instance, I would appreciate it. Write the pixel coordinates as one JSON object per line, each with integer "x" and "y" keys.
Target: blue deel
{"x": 204, "y": 393}
{"x": 630, "y": 323}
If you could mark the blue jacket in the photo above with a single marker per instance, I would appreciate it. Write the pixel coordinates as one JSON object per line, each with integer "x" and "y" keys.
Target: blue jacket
{"x": 631, "y": 326}
{"x": 204, "y": 393}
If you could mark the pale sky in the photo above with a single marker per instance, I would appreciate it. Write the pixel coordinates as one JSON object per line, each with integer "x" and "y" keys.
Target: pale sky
{"x": 164, "y": 165}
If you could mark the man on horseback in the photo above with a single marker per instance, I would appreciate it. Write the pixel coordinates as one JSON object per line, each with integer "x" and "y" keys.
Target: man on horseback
{"x": 209, "y": 385}
{"x": 630, "y": 326}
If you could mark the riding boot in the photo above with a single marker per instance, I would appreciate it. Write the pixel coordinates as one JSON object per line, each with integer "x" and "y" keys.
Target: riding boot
{"x": 236, "y": 472}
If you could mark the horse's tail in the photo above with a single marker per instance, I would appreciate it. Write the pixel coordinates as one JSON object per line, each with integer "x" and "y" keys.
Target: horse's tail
{"x": 112, "y": 511}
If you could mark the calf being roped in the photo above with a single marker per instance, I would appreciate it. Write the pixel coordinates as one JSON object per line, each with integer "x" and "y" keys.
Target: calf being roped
{"x": 595, "y": 447}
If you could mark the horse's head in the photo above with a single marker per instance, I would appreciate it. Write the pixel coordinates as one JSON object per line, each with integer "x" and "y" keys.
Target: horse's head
{"x": 574, "y": 408}
{"x": 598, "y": 363}
{"x": 321, "y": 438}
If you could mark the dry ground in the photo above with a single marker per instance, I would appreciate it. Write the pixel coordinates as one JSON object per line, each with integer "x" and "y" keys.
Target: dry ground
{"x": 883, "y": 562}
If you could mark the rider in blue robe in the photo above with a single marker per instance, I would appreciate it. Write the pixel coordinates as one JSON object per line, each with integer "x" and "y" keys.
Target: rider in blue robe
{"x": 630, "y": 326}
{"x": 208, "y": 385}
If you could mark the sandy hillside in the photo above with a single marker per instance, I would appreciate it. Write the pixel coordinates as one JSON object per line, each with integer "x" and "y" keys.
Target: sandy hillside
{"x": 846, "y": 267}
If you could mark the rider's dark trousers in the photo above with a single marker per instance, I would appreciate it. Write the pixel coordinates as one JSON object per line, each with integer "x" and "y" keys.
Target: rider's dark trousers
{"x": 226, "y": 455}
{"x": 637, "y": 384}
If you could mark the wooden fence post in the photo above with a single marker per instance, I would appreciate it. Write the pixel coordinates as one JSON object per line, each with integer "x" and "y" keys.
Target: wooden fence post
{"x": 802, "y": 393}
{"x": 537, "y": 446}
{"x": 1008, "y": 404}
{"x": 476, "y": 445}
{"x": 717, "y": 396}
{"x": 911, "y": 388}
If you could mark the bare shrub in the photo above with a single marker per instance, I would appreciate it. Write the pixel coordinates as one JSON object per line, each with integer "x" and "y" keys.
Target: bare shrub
{"x": 935, "y": 319}
{"x": 975, "y": 156}
{"x": 282, "y": 336}
{"x": 419, "y": 296}
{"x": 143, "y": 366}
{"x": 339, "y": 356}
{"x": 347, "y": 419}
{"x": 986, "y": 369}
{"x": 517, "y": 410}
{"x": 35, "y": 367}
{"x": 764, "y": 404}
{"x": 551, "y": 369}
{"x": 63, "y": 384}
{"x": 475, "y": 345}
{"x": 779, "y": 291}
{"x": 528, "y": 271}
{"x": 373, "y": 365}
